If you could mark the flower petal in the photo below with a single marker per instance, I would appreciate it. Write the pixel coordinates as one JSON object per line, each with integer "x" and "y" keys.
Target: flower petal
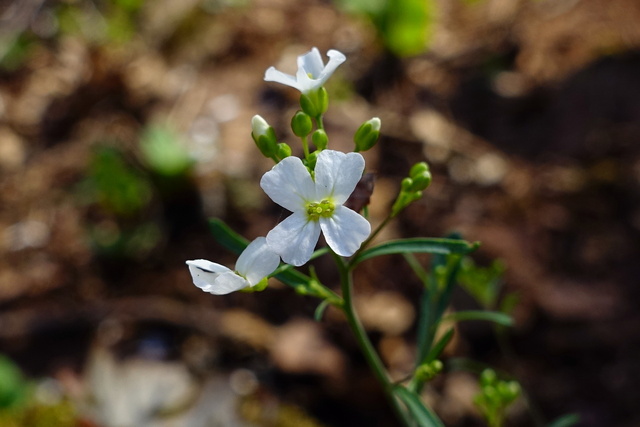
{"x": 289, "y": 184}
{"x": 204, "y": 272}
{"x": 335, "y": 59}
{"x": 312, "y": 63}
{"x": 337, "y": 174}
{"x": 345, "y": 230}
{"x": 257, "y": 261}
{"x": 294, "y": 238}
{"x": 227, "y": 283}
{"x": 305, "y": 83}
{"x": 273, "y": 75}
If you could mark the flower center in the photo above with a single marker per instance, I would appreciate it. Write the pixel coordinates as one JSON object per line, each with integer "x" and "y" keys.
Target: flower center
{"x": 317, "y": 210}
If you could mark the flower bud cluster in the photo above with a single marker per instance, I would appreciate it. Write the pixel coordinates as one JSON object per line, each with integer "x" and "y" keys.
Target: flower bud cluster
{"x": 412, "y": 187}
{"x": 495, "y": 395}
{"x": 428, "y": 371}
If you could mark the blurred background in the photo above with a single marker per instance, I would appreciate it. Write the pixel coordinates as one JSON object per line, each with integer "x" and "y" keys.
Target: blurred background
{"x": 125, "y": 124}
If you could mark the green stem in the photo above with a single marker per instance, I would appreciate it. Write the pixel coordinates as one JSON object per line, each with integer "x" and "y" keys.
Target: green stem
{"x": 319, "y": 122}
{"x": 305, "y": 147}
{"x": 370, "y": 354}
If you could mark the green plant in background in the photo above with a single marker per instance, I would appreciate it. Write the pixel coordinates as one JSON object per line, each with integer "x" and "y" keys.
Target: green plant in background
{"x": 404, "y": 26}
{"x": 163, "y": 154}
{"x": 20, "y": 408}
{"x": 14, "y": 389}
{"x": 495, "y": 397}
{"x": 116, "y": 184}
{"x": 121, "y": 195}
{"x": 113, "y": 22}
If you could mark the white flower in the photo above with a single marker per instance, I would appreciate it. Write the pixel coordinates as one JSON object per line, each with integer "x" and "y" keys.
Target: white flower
{"x": 311, "y": 74}
{"x": 317, "y": 205}
{"x": 255, "y": 263}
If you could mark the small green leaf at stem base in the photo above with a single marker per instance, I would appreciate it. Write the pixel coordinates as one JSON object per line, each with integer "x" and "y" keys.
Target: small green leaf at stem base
{"x": 423, "y": 416}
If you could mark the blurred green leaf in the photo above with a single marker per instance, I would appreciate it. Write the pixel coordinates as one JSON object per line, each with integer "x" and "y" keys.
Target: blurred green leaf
{"x": 163, "y": 153}
{"x": 416, "y": 245}
{"x": 565, "y": 421}
{"x": 115, "y": 184}
{"x": 489, "y": 316}
{"x": 14, "y": 50}
{"x": 483, "y": 284}
{"x": 439, "y": 346}
{"x": 226, "y": 236}
{"x": 13, "y": 387}
{"x": 404, "y": 26}
{"x": 423, "y": 416}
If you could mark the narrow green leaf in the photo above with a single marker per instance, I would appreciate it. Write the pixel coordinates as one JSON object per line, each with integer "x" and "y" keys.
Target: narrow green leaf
{"x": 417, "y": 245}
{"x": 565, "y": 421}
{"x": 489, "y": 316}
{"x": 439, "y": 347}
{"x": 226, "y": 236}
{"x": 320, "y": 310}
{"x": 293, "y": 278}
{"x": 417, "y": 268}
{"x": 421, "y": 414}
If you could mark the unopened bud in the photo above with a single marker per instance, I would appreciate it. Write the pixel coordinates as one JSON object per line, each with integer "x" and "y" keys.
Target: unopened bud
{"x": 367, "y": 134}
{"x": 320, "y": 139}
{"x": 418, "y": 168}
{"x": 301, "y": 124}
{"x": 315, "y": 103}
{"x": 264, "y": 136}
{"x": 311, "y": 159}
{"x": 283, "y": 151}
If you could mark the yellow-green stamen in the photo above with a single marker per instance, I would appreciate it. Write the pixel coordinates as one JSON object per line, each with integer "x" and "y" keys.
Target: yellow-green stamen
{"x": 316, "y": 210}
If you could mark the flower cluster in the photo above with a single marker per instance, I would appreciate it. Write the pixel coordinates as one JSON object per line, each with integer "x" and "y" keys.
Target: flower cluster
{"x": 314, "y": 189}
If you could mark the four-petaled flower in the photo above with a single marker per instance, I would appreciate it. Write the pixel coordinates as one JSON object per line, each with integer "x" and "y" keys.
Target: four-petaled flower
{"x": 311, "y": 74}
{"x": 317, "y": 205}
{"x": 254, "y": 264}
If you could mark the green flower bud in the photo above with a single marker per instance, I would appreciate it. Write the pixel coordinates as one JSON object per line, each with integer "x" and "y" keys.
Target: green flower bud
{"x": 320, "y": 139}
{"x": 418, "y": 169}
{"x": 283, "y": 151}
{"x": 421, "y": 181}
{"x": 301, "y": 124}
{"x": 264, "y": 136}
{"x": 308, "y": 106}
{"x": 322, "y": 100}
{"x": 407, "y": 184}
{"x": 311, "y": 159}
{"x": 367, "y": 134}
{"x": 488, "y": 377}
{"x": 315, "y": 103}
{"x": 427, "y": 371}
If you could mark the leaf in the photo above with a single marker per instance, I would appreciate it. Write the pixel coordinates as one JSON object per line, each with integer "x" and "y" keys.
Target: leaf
{"x": 421, "y": 414}
{"x": 226, "y": 236}
{"x": 417, "y": 245}
{"x": 405, "y": 25}
{"x": 489, "y": 316}
{"x": 565, "y": 421}
{"x": 320, "y": 310}
{"x": 439, "y": 347}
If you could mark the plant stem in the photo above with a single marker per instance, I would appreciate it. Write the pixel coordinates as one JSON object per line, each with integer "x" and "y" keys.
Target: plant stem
{"x": 305, "y": 146}
{"x": 370, "y": 354}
